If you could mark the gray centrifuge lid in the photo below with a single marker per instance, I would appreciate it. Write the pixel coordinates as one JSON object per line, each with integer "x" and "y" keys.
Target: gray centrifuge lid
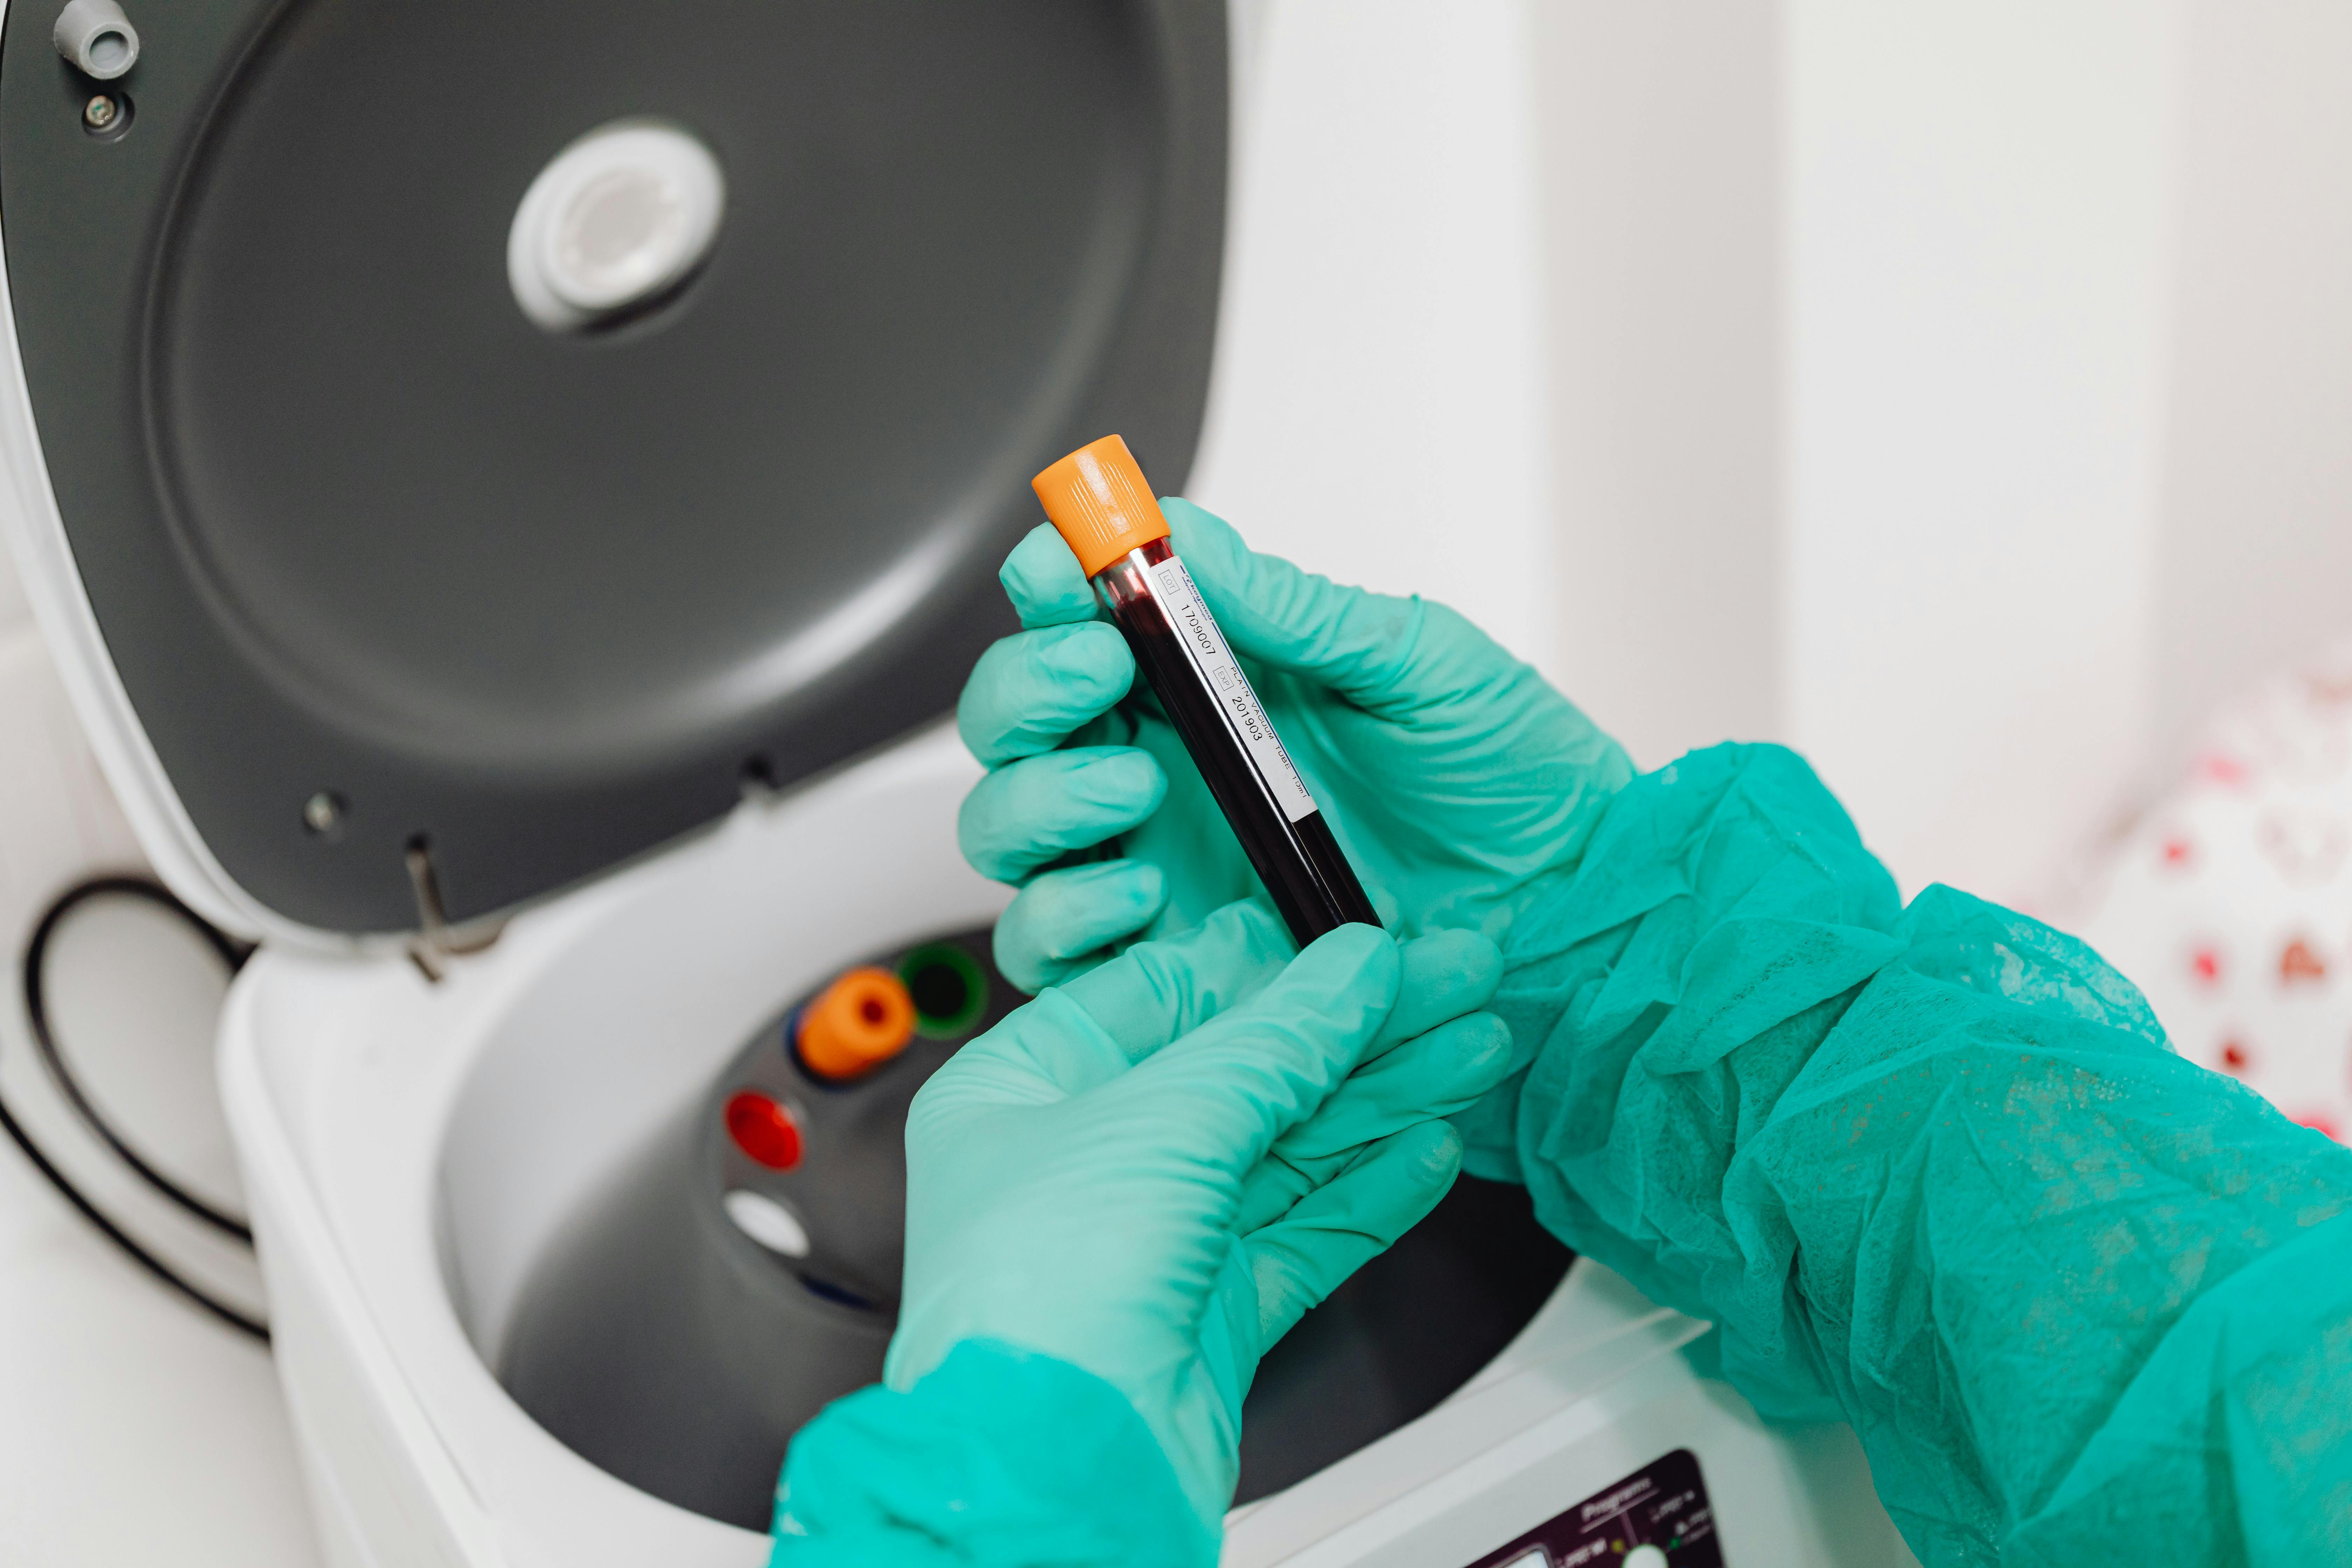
{"x": 355, "y": 531}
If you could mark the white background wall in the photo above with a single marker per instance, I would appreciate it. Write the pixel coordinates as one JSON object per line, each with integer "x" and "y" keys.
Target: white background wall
{"x": 1788, "y": 370}
{"x": 2010, "y": 344}
{"x": 2046, "y": 438}
{"x": 1979, "y": 205}
{"x": 2256, "y": 529}
{"x": 1376, "y": 412}
{"x": 1661, "y": 188}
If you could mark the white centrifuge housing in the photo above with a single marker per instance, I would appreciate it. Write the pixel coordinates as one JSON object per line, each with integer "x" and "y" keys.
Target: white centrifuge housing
{"x": 513, "y": 488}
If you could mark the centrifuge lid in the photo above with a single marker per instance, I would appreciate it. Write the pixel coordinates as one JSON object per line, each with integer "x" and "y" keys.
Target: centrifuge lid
{"x": 345, "y": 554}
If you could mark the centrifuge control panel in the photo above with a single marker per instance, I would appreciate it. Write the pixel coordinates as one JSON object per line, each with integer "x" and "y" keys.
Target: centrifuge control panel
{"x": 1658, "y": 1517}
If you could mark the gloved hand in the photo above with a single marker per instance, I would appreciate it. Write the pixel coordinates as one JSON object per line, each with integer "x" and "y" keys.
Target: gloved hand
{"x": 1455, "y": 777}
{"x": 1151, "y": 1173}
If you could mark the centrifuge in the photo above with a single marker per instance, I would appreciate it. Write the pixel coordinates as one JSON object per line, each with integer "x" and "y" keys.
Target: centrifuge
{"x": 514, "y": 489}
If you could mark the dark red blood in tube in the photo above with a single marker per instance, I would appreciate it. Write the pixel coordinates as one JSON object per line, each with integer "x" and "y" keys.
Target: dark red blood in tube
{"x": 1097, "y": 499}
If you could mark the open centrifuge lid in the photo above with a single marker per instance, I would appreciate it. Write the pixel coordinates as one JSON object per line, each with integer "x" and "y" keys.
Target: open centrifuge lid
{"x": 344, "y": 553}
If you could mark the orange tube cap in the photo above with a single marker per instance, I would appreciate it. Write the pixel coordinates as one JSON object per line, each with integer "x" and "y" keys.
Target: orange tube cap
{"x": 856, "y": 1024}
{"x": 1099, "y": 500}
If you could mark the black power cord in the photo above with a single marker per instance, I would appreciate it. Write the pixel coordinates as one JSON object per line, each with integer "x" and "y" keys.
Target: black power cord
{"x": 33, "y": 978}
{"x": 36, "y": 1010}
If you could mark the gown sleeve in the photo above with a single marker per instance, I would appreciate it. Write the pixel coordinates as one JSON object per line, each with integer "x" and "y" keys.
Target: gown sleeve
{"x": 1934, "y": 1171}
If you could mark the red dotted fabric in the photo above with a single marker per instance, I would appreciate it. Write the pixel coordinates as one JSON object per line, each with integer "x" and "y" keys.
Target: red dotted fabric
{"x": 2231, "y": 902}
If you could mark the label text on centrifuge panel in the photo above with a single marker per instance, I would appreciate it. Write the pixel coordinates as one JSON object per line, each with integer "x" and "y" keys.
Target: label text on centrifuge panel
{"x": 1658, "y": 1517}
{"x": 1204, "y": 645}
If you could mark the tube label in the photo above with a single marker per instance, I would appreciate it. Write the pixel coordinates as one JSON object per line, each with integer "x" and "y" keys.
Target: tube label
{"x": 1213, "y": 662}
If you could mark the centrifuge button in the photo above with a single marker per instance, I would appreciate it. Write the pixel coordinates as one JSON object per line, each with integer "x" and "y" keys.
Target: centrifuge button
{"x": 771, "y": 1224}
{"x": 856, "y": 1024}
{"x": 764, "y": 1130}
{"x": 1645, "y": 1556}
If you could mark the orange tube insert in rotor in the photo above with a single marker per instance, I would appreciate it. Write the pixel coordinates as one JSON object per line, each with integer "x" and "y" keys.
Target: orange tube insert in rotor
{"x": 857, "y": 1023}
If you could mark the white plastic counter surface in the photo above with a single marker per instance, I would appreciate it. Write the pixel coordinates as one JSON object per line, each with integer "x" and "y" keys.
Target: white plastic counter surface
{"x": 134, "y": 1430}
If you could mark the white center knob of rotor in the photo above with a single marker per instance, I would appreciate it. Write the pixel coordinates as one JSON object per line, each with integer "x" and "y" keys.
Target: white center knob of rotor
{"x": 618, "y": 217}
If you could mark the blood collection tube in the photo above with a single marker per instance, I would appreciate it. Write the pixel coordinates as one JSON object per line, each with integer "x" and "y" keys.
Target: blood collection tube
{"x": 1099, "y": 500}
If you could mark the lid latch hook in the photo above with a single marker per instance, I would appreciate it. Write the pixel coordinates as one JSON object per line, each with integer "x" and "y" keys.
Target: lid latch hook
{"x": 437, "y": 940}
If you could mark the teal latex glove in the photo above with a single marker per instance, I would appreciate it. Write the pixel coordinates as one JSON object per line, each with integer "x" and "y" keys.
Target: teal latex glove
{"x": 1151, "y": 1173}
{"x": 997, "y": 1458}
{"x": 1453, "y": 776}
{"x": 1933, "y": 1170}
